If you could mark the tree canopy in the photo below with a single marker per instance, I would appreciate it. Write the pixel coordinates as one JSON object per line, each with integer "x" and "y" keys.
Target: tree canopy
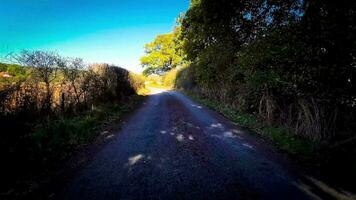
{"x": 161, "y": 54}
{"x": 290, "y": 59}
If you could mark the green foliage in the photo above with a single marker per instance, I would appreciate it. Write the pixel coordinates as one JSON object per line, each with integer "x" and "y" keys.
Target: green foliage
{"x": 56, "y": 139}
{"x": 13, "y": 69}
{"x": 185, "y": 78}
{"x": 169, "y": 78}
{"x": 137, "y": 81}
{"x": 18, "y": 73}
{"x": 290, "y": 63}
{"x": 270, "y": 63}
{"x": 161, "y": 54}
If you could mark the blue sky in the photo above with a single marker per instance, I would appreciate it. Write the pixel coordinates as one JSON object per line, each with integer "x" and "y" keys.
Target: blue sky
{"x": 111, "y": 31}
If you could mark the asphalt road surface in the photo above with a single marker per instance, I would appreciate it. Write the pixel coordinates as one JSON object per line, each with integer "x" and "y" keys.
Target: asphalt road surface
{"x": 173, "y": 148}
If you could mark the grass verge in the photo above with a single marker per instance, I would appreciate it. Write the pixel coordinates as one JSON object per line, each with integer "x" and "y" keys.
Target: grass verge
{"x": 280, "y": 136}
{"x": 334, "y": 166}
{"x": 56, "y": 139}
{"x": 44, "y": 152}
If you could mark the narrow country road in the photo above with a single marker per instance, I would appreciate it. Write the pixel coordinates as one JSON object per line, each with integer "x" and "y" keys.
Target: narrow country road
{"x": 173, "y": 148}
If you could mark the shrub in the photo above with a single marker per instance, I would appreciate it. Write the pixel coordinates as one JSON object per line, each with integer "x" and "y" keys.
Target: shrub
{"x": 56, "y": 106}
{"x": 169, "y": 78}
{"x": 185, "y": 78}
{"x": 137, "y": 81}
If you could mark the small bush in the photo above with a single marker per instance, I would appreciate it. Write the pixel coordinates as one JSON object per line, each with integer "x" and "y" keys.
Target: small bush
{"x": 137, "y": 81}
{"x": 169, "y": 78}
{"x": 185, "y": 78}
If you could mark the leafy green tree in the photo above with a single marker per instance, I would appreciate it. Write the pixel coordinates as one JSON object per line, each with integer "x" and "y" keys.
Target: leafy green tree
{"x": 275, "y": 58}
{"x": 161, "y": 55}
